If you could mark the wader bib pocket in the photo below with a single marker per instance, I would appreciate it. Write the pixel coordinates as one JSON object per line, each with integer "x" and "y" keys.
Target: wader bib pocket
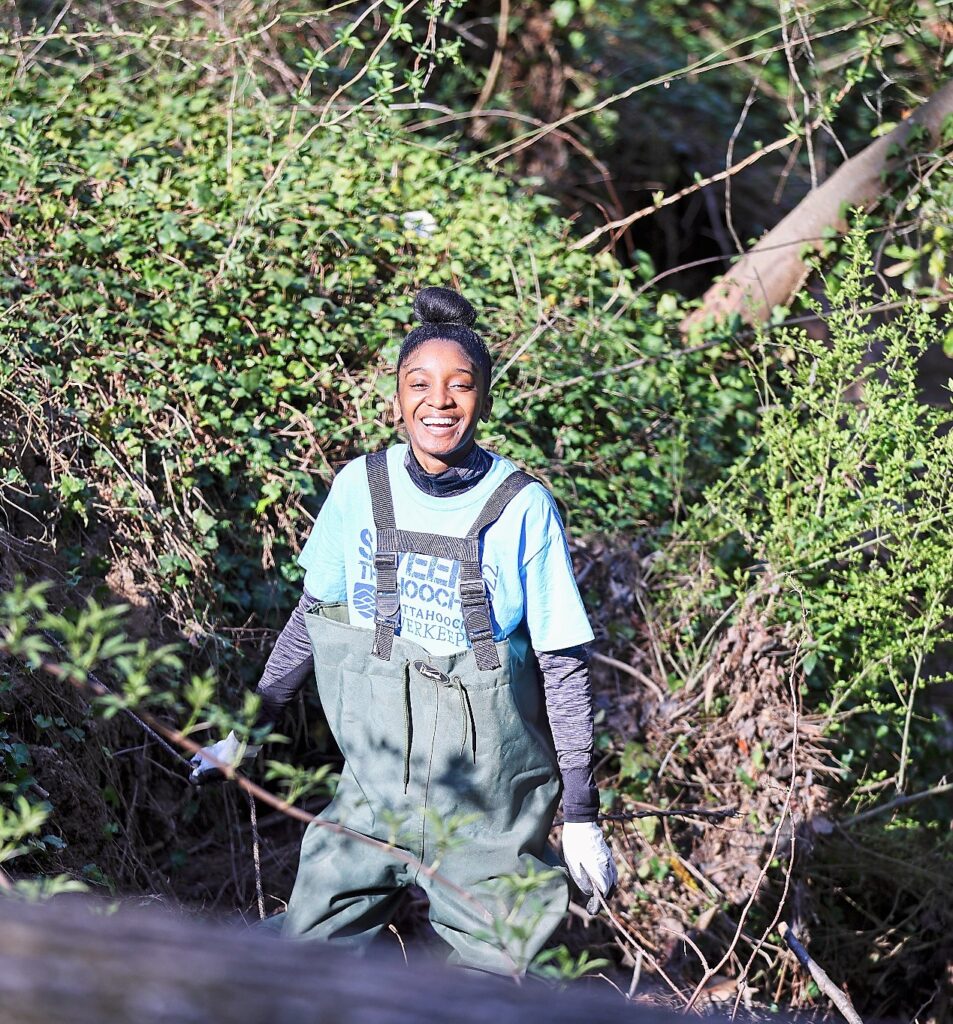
{"x": 447, "y": 756}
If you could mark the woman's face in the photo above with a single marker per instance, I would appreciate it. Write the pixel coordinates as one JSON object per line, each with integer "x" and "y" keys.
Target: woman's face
{"x": 441, "y": 399}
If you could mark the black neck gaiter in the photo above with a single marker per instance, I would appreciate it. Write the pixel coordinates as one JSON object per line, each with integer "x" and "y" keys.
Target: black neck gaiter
{"x": 455, "y": 480}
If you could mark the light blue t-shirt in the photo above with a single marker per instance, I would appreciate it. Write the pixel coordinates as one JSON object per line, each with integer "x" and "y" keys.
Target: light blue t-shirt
{"x": 525, "y": 558}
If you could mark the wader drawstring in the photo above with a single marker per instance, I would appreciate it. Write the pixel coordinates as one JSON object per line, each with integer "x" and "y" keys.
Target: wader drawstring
{"x": 408, "y": 725}
{"x": 469, "y": 725}
{"x": 466, "y": 711}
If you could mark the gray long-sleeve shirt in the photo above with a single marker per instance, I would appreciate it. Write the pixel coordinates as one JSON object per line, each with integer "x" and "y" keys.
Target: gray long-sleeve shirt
{"x": 566, "y": 687}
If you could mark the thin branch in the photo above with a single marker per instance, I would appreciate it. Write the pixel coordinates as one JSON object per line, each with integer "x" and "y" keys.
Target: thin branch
{"x": 698, "y": 67}
{"x": 604, "y": 659}
{"x": 598, "y": 898}
{"x": 114, "y": 33}
{"x": 939, "y": 789}
{"x": 105, "y": 691}
{"x": 502, "y": 32}
{"x": 715, "y": 814}
{"x": 634, "y": 364}
{"x": 50, "y": 34}
{"x": 362, "y": 70}
{"x": 914, "y": 684}
{"x": 646, "y": 211}
{"x": 174, "y": 736}
{"x": 821, "y": 977}
{"x": 450, "y": 116}
{"x": 766, "y": 867}
{"x": 742, "y": 333}
{"x": 795, "y": 709}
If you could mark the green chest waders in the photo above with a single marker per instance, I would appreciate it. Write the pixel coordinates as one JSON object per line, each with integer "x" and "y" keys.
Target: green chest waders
{"x": 448, "y": 757}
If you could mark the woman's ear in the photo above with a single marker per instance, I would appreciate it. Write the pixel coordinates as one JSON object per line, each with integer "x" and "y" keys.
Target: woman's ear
{"x": 487, "y": 407}
{"x": 395, "y": 406}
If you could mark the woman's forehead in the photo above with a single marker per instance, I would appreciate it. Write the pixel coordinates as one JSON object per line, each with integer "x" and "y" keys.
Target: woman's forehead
{"x": 442, "y": 352}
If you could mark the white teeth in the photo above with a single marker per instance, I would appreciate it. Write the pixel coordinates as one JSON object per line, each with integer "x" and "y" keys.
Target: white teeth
{"x": 434, "y": 422}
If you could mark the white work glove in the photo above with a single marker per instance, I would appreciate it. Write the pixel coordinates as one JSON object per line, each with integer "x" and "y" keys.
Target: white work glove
{"x": 588, "y": 857}
{"x": 231, "y": 751}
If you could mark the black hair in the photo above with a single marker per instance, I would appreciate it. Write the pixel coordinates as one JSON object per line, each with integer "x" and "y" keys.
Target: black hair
{"x": 446, "y": 314}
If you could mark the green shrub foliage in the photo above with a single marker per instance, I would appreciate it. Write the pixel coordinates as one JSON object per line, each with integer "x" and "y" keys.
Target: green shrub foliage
{"x": 206, "y": 293}
{"x": 843, "y": 505}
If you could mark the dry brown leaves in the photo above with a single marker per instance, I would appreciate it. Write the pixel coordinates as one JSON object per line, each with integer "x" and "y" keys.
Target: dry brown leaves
{"x": 711, "y": 723}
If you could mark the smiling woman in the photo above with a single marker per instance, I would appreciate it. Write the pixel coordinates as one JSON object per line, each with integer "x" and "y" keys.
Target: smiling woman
{"x": 439, "y": 592}
{"x": 443, "y": 380}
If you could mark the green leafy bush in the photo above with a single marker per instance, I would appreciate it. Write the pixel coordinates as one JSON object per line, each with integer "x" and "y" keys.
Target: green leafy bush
{"x": 208, "y": 292}
{"x": 843, "y": 506}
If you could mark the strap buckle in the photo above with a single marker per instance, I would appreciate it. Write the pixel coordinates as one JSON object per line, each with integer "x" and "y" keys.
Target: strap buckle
{"x": 384, "y": 560}
{"x": 387, "y": 608}
{"x": 472, "y": 592}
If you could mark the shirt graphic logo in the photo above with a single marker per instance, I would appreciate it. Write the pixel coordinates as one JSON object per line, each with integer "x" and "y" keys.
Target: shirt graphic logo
{"x": 363, "y": 600}
{"x": 429, "y": 596}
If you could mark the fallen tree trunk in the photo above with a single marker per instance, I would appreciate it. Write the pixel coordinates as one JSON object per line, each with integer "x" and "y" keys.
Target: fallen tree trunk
{"x": 772, "y": 272}
{"x": 62, "y": 964}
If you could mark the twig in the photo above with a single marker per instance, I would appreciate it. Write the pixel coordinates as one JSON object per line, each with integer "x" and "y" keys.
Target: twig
{"x": 173, "y": 735}
{"x": 640, "y": 952}
{"x": 730, "y": 154}
{"x": 636, "y": 975}
{"x": 900, "y": 801}
{"x": 709, "y": 814}
{"x": 49, "y": 34}
{"x": 914, "y": 683}
{"x": 622, "y": 224}
{"x": 795, "y": 747}
{"x": 542, "y": 326}
{"x": 256, "y": 855}
{"x": 820, "y": 976}
{"x": 620, "y": 368}
{"x": 604, "y": 659}
{"x": 361, "y": 71}
{"x": 502, "y": 32}
{"x": 92, "y": 35}
{"x": 505, "y": 150}
{"x": 734, "y": 339}
{"x": 102, "y": 690}
{"x": 451, "y": 115}
{"x": 762, "y": 874}
{"x": 618, "y": 226}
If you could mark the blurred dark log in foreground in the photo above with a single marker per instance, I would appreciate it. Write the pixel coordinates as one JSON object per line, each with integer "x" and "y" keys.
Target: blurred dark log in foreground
{"x": 63, "y": 963}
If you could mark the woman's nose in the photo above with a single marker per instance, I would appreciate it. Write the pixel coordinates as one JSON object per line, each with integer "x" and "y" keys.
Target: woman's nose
{"x": 441, "y": 396}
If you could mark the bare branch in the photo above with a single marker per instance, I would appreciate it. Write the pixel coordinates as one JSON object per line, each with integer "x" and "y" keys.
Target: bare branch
{"x": 901, "y": 801}
{"x": 821, "y": 977}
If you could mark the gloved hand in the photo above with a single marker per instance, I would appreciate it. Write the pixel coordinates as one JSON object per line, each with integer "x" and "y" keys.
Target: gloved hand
{"x": 588, "y": 858}
{"x": 231, "y": 751}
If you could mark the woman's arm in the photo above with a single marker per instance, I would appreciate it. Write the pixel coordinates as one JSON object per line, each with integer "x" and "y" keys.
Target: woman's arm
{"x": 569, "y": 707}
{"x": 286, "y": 670}
{"x": 322, "y": 558}
{"x": 287, "y": 667}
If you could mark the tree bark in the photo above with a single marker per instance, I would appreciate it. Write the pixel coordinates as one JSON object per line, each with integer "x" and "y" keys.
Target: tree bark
{"x": 70, "y": 962}
{"x": 771, "y": 273}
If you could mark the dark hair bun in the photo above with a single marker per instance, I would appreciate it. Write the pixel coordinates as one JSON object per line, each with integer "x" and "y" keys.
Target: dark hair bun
{"x": 443, "y": 306}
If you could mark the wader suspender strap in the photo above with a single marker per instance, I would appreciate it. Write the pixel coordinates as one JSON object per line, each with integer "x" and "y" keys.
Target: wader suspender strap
{"x": 474, "y": 600}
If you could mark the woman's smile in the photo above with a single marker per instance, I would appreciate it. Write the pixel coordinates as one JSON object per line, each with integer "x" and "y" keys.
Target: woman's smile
{"x": 439, "y": 424}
